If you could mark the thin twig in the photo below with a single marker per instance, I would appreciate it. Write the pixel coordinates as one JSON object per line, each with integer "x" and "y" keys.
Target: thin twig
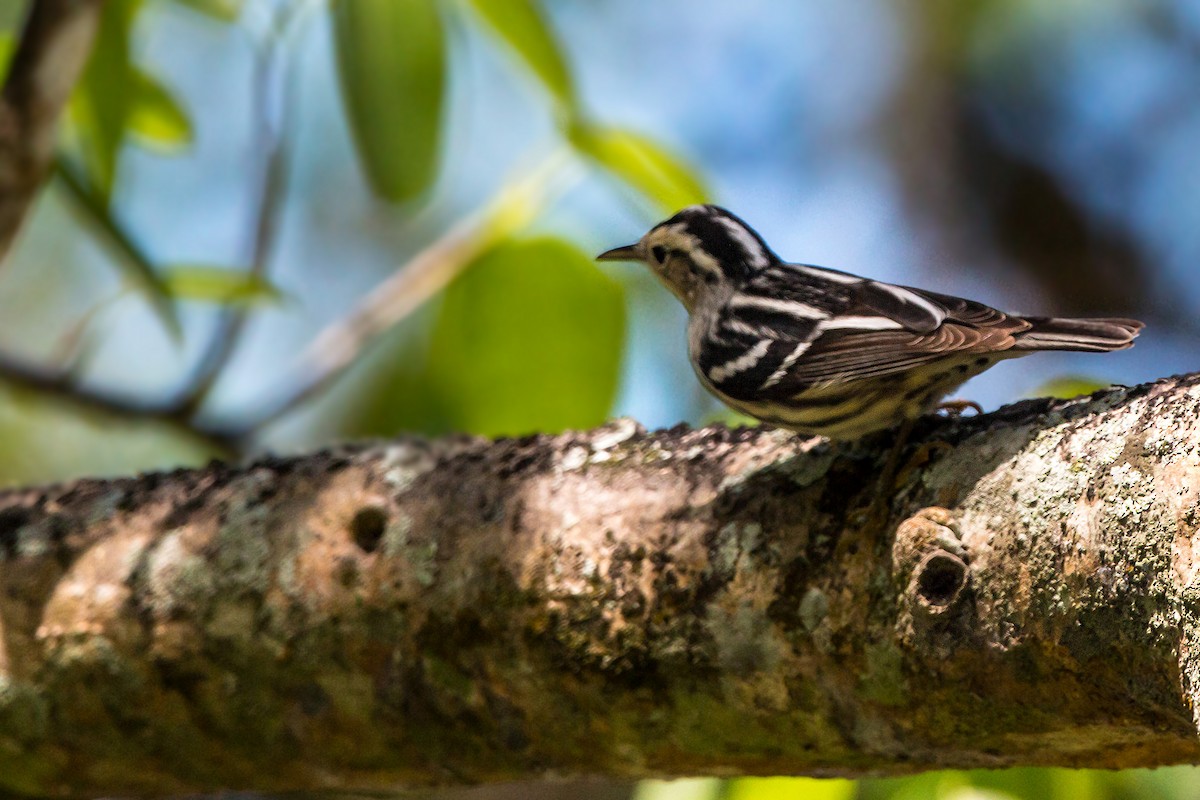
{"x": 76, "y": 346}
{"x": 273, "y": 99}
{"x": 49, "y": 58}
{"x": 61, "y": 384}
{"x": 112, "y": 233}
{"x": 340, "y": 344}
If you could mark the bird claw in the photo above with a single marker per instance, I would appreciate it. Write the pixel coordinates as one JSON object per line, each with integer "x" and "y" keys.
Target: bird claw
{"x": 956, "y": 408}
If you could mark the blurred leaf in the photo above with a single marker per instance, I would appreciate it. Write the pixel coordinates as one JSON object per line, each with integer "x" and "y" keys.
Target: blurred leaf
{"x": 101, "y": 103}
{"x": 686, "y": 789}
{"x": 522, "y": 24}
{"x": 397, "y": 396}
{"x": 642, "y": 164}
{"x": 1167, "y": 783}
{"x": 155, "y": 116}
{"x": 927, "y": 786}
{"x": 222, "y": 10}
{"x": 392, "y": 64}
{"x": 528, "y": 338}
{"x": 1068, "y": 387}
{"x": 7, "y": 45}
{"x": 1006, "y": 784}
{"x": 218, "y": 285}
{"x": 789, "y": 789}
{"x": 45, "y": 440}
{"x": 1076, "y": 784}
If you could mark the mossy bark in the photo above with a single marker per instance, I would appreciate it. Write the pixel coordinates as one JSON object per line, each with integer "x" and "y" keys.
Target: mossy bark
{"x": 614, "y": 603}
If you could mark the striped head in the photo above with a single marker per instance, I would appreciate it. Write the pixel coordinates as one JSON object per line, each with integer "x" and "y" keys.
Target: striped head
{"x": 702, "y": 251}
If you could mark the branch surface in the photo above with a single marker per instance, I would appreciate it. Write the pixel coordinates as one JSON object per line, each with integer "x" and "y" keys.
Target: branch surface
{"x": 614, "y": 603}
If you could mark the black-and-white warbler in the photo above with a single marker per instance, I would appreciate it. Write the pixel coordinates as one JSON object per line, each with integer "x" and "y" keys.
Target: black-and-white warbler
{"x": 825, "y": 352}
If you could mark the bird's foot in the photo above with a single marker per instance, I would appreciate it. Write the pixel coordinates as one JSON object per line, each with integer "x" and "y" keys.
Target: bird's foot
{"x": 956, "y": 408}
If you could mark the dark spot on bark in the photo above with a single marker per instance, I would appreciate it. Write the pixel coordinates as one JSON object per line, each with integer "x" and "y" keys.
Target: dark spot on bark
{"x": 489, "y": 506}
{"x": 941, "y": 577}
{"x": 312, "y": 700}
{"x": 277, "y": 464}
{"x": 177, "y": 677}
{"x": 347, "y": 572}
{"x": 519, "y": 462}
{"x": 182, "y": 513}
{"x": 11, "y": 521}
{"x": 58, "y": 530}
{"x": 509, "y": 721}
{"x": 785, "y": 609}
{"x": 368, "y": 527}
{"x": 844, "y": 483}
{"x": 129, "y": 500}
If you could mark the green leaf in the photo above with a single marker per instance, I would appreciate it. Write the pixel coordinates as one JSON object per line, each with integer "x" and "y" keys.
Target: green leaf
{"x": 155, "y": 117}
{"x": 685, "y": 789}
{"x": 529, "y": 338}
{"x": 642, "y": 164}
{"x": 212, "y": 284}
{"x": 522, "y": 24}
{"x": 220, "y": 10}
{"x": 392, "y": 63}
{"x": 102, "y": 102}
{"x": 7, "y": 46}
{"x": 1069, "y": 386}
{"x": 790, "y": 789}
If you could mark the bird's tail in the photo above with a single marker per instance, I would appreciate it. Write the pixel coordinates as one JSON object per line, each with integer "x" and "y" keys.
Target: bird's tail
{"x": 1086, "y": 335}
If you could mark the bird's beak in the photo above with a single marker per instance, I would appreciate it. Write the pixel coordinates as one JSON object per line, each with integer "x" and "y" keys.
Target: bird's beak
{"x": 630, "y": 252}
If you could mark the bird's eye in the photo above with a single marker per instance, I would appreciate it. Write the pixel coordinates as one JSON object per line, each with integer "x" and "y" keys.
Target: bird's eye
{"x": 658, "y": 253}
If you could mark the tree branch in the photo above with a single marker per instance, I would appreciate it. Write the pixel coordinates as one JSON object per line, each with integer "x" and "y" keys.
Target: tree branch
{"x": 64, "y": 385}
{"x": 54, "y": 47}
{"x": 615, "y": 603}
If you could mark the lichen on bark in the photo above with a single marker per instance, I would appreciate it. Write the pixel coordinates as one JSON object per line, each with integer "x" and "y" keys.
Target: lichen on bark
{"x": 615, "y": 603}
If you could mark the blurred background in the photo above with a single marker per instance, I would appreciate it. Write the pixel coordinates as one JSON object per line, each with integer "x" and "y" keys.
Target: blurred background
{"x": 274, "y": 224}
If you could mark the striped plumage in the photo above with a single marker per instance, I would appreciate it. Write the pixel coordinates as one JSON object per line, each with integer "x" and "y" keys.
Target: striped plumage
{"x": 825, "y": 352}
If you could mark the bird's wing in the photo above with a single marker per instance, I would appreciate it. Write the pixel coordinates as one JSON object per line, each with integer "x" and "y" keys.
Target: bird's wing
{"x": 780, "y": 336}
{"x": 915, "y": 310}
{"x": 851, "y": 355}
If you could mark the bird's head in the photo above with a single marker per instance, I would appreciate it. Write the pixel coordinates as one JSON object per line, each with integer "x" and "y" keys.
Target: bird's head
{"x": 699, "y": 253}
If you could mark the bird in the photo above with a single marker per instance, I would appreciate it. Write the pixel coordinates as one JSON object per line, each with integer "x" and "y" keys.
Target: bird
{"x": 825, "y": 352}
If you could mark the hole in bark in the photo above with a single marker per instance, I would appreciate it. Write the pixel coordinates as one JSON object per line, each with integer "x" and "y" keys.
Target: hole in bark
{"x": 368, "y": 526}
{"x": 940, "y": 578}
